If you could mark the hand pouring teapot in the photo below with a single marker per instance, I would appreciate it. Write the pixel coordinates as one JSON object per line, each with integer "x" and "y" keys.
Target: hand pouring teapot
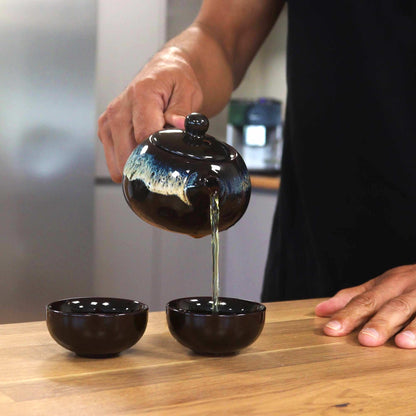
{"x": 169, "y": 179}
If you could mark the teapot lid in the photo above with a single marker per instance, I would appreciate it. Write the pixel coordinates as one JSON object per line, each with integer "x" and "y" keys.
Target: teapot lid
{"x": 193, "y": 142}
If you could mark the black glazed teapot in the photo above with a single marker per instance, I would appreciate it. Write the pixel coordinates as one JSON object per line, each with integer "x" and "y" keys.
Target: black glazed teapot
{"x": 169, "y": 179}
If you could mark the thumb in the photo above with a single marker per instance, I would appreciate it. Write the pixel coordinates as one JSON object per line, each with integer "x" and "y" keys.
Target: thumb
{"x": 183, "y": 101}
{"x": 338, "y": 301}
{"x": 175, "y": 119}
{"x": 180, "y": 106}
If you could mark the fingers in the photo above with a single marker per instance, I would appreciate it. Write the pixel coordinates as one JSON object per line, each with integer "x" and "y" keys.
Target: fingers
{"x": 128, "y": 120}
{"x": 104, "y": 134}
{"x": 382, "y": 306}
{"x": 183, "y": 101}
{"x": 357, "y": 311}
{"x": 116, "y": 134}
{"x": 388, "y": 321}
{"x": 147, "y": 112}
{"x": 340, "y": 300}
{"x": 119, "y": 114}
{"x": 361, "y": 308}
{"x": 156, "y": 97}
{"x": 407, "y": 338}
{"x": 176, "y": 121}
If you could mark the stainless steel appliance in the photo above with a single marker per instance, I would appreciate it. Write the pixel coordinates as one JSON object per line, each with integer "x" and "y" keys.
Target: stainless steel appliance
{"x": 47, "y": 134}
{"x": 254, "y": 128}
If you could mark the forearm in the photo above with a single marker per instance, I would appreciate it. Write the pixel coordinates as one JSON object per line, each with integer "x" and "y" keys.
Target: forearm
{"x": 220, "y": 47}
{"x": 209, "y": 63}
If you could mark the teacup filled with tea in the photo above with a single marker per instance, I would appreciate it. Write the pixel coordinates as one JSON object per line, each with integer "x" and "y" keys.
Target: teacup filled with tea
{"x": 234, "y": 325}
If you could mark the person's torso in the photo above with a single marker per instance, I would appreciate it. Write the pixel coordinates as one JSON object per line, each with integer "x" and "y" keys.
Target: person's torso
{"x": 349, "y": 164}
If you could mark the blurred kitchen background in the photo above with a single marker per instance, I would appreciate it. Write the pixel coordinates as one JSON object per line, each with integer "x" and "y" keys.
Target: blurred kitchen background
{"x": 65, "y": 229}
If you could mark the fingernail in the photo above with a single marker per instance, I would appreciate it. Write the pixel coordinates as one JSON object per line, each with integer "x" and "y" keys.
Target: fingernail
{"x": 334, "y": 325}
{"x": 410, "y": 335}
{"x": 371, "y": 332}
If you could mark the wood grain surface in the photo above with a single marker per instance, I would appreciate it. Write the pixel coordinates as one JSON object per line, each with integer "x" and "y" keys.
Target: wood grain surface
{"x": 292, "y": 369}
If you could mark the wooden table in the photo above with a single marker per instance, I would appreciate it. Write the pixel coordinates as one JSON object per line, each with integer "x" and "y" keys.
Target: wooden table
{"x": 292, "y": 369}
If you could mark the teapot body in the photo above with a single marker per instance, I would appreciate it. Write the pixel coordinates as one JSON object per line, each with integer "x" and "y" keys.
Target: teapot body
{"x": 171, "y": 188}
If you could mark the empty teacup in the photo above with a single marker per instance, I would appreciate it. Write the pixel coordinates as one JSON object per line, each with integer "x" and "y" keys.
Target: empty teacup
{"x": 96, "y": 326}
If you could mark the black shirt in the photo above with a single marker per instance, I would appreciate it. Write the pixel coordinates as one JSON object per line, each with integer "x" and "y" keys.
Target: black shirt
{"x": 347, "y": 203}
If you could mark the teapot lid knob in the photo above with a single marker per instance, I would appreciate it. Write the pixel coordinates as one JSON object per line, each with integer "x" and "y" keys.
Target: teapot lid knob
{"x": 196, "y": 124}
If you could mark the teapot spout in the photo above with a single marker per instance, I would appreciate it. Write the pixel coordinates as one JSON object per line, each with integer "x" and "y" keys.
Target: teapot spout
{"x": 198, "y": 186}
{"x": 212, "y": 184}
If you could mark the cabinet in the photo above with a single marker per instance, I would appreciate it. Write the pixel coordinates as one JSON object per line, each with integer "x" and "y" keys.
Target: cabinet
{"x": 136, "y": 260}
{"x": 122, "y": 248}
{"x": 246, "y": 246}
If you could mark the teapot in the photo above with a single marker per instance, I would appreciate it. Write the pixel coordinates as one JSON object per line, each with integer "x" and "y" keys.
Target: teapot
{"x": 170, "y": 178}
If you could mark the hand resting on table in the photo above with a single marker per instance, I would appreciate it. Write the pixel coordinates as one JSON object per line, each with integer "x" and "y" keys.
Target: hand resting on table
{"x": 385, "y": 307}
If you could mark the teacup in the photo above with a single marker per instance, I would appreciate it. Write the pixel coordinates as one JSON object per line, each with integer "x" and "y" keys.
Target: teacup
{"x": 96, "y": 326}
{"x": 236, "y": 325}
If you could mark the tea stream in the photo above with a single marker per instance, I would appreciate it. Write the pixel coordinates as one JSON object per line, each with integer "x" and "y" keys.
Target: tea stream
{"x": 214, "y": 218}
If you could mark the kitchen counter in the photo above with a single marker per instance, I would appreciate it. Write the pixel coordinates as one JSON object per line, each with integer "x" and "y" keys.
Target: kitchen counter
{"x": 292, "y": 369}
{"x": 265, "y": 182}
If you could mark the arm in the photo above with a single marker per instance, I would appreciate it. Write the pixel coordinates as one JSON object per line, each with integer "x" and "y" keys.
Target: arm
{"x": 195, "y": 71}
